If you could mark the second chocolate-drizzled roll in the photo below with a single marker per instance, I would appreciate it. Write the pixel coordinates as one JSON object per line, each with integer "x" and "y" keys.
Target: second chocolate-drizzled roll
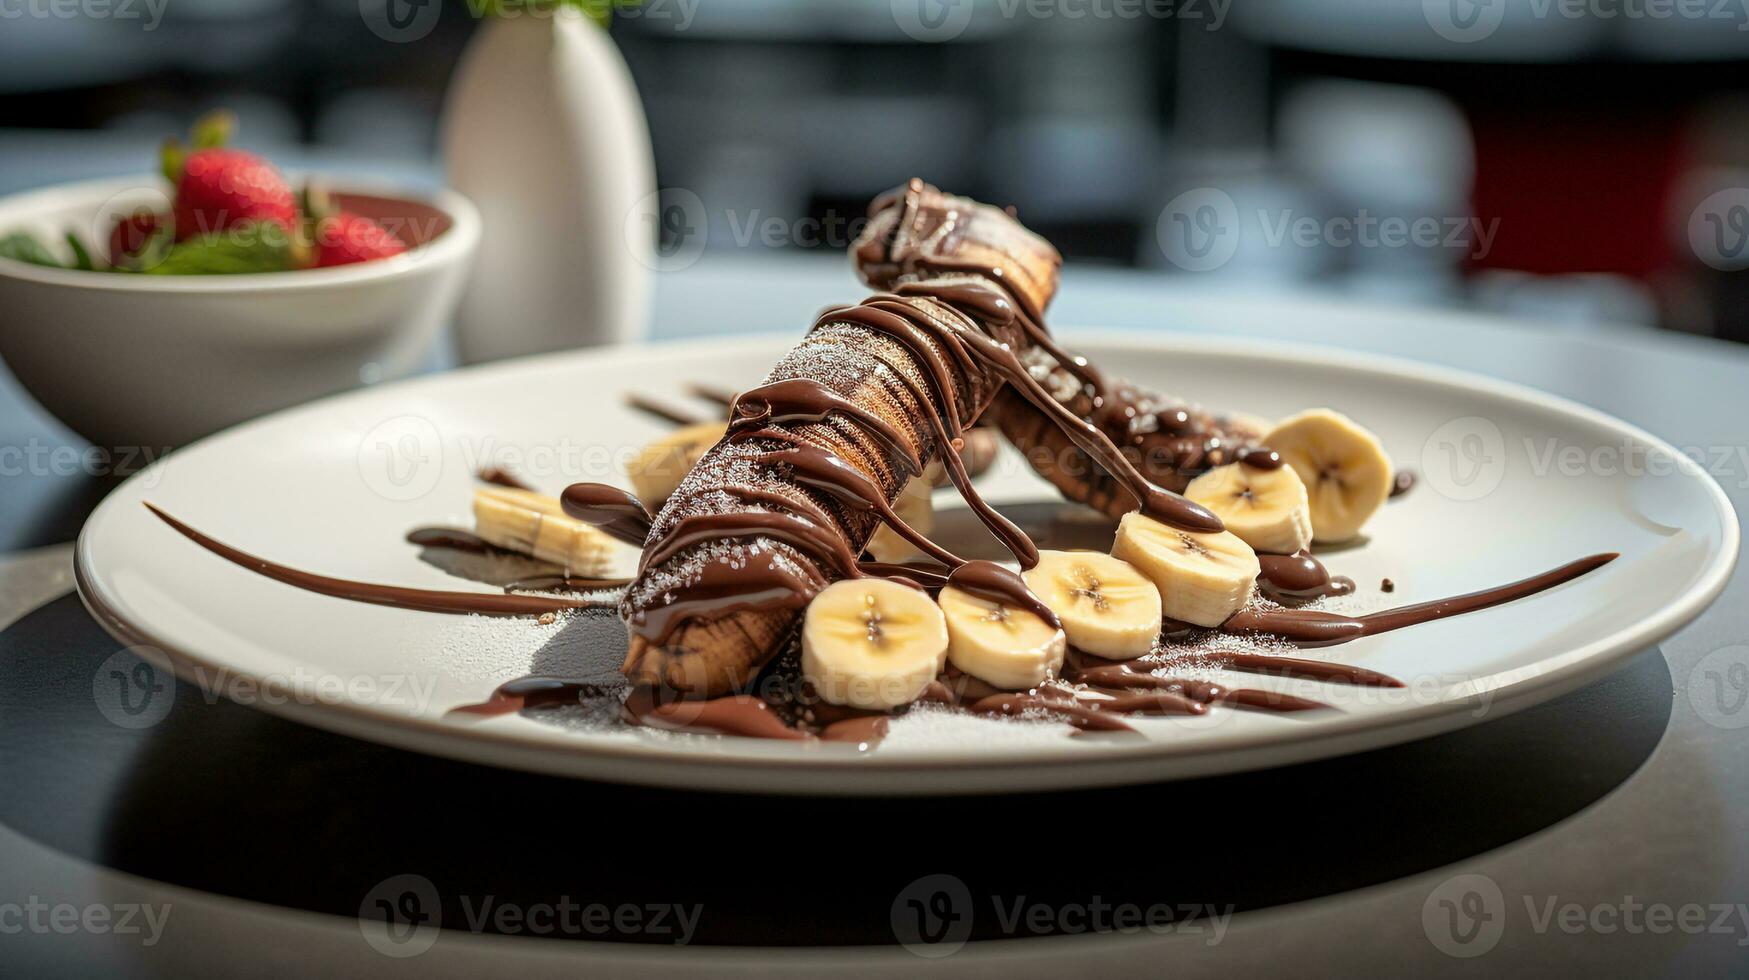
{"x": 744, "y": 543}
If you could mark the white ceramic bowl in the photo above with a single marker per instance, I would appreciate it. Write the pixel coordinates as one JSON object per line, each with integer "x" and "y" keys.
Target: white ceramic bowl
{"x": 158, "y": 361}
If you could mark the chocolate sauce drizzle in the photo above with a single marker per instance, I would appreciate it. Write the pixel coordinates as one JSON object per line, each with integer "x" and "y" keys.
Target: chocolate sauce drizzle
{"x": 618, "y": 513}
{"x": 1310, "y": 628}
{"x": 971, "y": 324}
{"x": 1299, "y": 578}
{"x": 935, "y": 322}
{"x": 503, "y": 478}
{"x": 658, "y": 410}
{"x": 426, "y": 600}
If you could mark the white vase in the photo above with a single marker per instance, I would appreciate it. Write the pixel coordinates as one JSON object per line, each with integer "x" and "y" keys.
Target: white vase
{"x": 543, "y": 129}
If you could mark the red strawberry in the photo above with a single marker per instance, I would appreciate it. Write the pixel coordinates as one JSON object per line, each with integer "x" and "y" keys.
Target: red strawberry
{"x": 344, "y": 238}
{"x": 221, "y": 188}
{"x": 132, "y": 233}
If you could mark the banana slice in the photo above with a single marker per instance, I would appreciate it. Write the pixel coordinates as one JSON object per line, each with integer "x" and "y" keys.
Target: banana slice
{"x": 1268, "y": 509}
{"x": 1011, "y": 648}
{"x": 915, "y": 508}
{"x": 534, "y": 524}
{"x": 872, "y": 643}
{"x": 1203, "y": 578}
{"x": 660, "y": 466}
{"x": 1345, "y": 469}
{"x": 1108, "y": 607}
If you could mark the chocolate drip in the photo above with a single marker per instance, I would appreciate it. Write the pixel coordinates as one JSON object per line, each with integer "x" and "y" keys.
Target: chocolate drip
{"x": 453, "y": 538}
{"x": 763, "y": 583}
{"x": 823, "y": 544}
{"x": 1105, "y": 674}
{"x": 734, "y": 714}
{"x": 1310, "y": 628}
{"x": 617, "y": 512}
{"x": 503, "y": 478}
{"x": 806, "y": 400}
{"x": 661, "y": 411}
{"x": 558, "y": 582}
{"x": 1159, "y": 504}
{"x": 827, "y": 472}
{"x": 1258, "y": 457}
{"x": 426, "y": 600}
{"x": 1261, "y": 663}
{"x": 535, "y": 691}
{"x": 907, "y": 324}
{"x": 1299, "y": 577}
{"x": 990, "y": 581}
{"x": 712, "y": 393}
{"x": 1014, "y": 705}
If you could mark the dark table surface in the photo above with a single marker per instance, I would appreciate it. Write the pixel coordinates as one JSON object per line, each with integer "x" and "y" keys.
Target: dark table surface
{"x": 256, "y": 842}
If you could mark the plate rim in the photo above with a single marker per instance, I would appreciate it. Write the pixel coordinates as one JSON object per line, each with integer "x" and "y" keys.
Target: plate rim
{"x": 490, "y": 745}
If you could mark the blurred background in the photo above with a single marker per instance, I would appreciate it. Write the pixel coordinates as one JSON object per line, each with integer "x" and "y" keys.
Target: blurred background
{"x": 1574, "y": 162}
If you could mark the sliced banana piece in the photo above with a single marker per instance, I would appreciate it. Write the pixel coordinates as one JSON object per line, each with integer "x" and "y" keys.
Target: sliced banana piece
{"x": 660, "y": 466}
{"x": 915, "y": 508}
{"x": 536, "y": 525}
{"x": 872, "y": 643}
{"x": 1268, "y": 509}
{"x": 1003, "y": 645}
{"x": 1203, "y": 578}
{"x": 1344, "y": 467}
{"x": 1108, "y": 607}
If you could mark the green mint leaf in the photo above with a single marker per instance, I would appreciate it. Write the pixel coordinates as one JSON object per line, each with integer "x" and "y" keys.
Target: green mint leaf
{"x": 24, "y": 247}
{"x": 81, "y": 256}
{"x": 234, "y": 251}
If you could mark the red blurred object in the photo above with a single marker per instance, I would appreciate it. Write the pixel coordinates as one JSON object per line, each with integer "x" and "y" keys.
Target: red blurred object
{"x": 345, "y": 238}
{"x": 1577, "y": 193}
{"x": 222, "y": 188}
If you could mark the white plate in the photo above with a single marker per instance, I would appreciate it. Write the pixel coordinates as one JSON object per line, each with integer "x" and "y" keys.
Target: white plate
{"x": 333, "y": 486}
